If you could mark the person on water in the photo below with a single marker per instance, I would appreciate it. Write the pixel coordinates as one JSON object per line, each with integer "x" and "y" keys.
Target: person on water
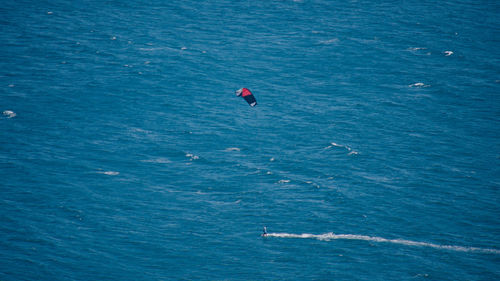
{"x": 264, "y": 234}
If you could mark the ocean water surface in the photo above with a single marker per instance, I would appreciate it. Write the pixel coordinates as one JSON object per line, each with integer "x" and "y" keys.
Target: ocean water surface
{"x": 373, "y": 154}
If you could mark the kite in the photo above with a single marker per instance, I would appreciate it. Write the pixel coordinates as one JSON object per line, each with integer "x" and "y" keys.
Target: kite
{"x": 247, "y": 95}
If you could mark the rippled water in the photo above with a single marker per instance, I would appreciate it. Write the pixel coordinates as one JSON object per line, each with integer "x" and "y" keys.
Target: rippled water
{"x": 125, "y": 155}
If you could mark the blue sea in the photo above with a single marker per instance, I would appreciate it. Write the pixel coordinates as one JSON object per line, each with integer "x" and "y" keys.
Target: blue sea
{"x": 373, "y": 152}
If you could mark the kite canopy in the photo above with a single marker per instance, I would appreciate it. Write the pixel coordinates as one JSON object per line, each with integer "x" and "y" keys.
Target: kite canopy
{"x": 247, "y": 95}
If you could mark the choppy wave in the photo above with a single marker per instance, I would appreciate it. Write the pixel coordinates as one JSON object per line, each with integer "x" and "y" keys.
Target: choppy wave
{"x": 313, "y": 184}
{"x": 348, "y": 148}
{"x": 416, "y": 48}
{"x": 152, "y": 49}
{"x": 330, "y": 41}
{"x": 109, "y": 173}
{"x": 192, "y": 156}
{"x": 9, "y": 113}
{"x": 419, "y": 85}
{"x": 157, "y": 160}
{"x": 331, "y": 236}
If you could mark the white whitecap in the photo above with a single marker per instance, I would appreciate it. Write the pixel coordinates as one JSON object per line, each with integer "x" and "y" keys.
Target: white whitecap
{"x": 192, "y": 156}
{"x": 9, "y": 113}
{"x": 157, "y": 160}
{"x": 416, "y": 48}
{"x": 313, "y": 184}
{"x": 283, "y": 181}
{"x": 346, "y": 147}
{"x": 418, "y": 85}
{"x": 448, "y": 53}
{"x": 232, "y": 149}
{"x": 330, "y": 41}
{"x": 109, "y": 173}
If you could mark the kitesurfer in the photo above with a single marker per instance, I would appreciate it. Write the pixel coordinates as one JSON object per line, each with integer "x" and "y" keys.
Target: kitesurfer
{"x": 247, "y": 95}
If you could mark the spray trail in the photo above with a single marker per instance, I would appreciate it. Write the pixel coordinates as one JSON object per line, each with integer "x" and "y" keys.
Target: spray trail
{"x": 332, "y": 236}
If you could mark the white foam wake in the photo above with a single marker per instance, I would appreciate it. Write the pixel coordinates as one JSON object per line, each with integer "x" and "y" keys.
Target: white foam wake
{"x": 332, "y": 236}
